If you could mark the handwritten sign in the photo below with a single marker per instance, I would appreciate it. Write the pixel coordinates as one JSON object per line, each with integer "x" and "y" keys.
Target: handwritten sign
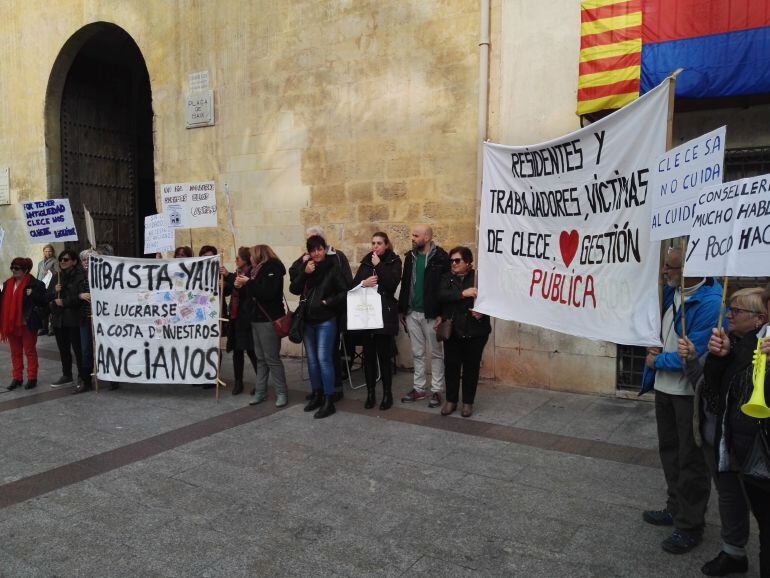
{"x": 564, "y": 228}
{"x": 158, "y": 236}
{"x": 155, "y": 321}
{"x": 190, "y": 205}
{"x": 730, "y": 232}
{"x": 49, "y": 221}
{"x": 676, "y": 178}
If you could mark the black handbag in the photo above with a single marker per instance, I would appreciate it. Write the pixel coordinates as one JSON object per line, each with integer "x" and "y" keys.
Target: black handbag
{"x": 444, "y": 330}
{"x": 297, "y": 329}
{"x": 757, "y": 463}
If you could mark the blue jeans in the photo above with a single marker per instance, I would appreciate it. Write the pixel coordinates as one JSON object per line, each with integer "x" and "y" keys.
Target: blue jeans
{"x": 319, "y": 347}
{"x": 87, "y": 346}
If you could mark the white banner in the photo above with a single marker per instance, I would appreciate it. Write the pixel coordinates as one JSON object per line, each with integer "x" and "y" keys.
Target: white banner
{"x": 49, "y": 221}
{"x": 364, "y": 308}
{"x": 676, "y": 178}
{"x": 564, "y": 235}
{"x": 155, "y": 321}
{"x": 190, "y": 205}
{"x": 158, "y": 236}
{"x": 730, "y": 233}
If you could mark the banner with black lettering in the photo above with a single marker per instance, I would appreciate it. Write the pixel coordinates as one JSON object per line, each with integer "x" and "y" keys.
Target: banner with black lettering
{"x": 155, "y": 320}
{"x": 564, "y": 234}
{"x": 730, "y": 232}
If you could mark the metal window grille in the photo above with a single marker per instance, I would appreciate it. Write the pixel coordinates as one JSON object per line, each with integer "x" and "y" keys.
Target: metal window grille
{"x": 739, "y": 164}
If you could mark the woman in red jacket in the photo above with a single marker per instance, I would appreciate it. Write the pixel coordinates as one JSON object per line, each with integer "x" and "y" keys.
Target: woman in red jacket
{"x": 19, "y": 321}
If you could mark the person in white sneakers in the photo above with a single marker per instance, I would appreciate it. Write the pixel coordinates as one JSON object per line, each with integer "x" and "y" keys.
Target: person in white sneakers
{"x": 419, "y": 307}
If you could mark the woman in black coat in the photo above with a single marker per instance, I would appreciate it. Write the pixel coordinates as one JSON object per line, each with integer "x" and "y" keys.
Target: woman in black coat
{"x": 21, "y": 297}
{"x": 264, "y": 288}
{"x": 239, "y": 337}
{"x": 728, "y": 384}
{"x": 322, "y": 287}
{"x": 64, "y": 303}
{"x": 469, "y": 335}
{"x": 382, "y": 269}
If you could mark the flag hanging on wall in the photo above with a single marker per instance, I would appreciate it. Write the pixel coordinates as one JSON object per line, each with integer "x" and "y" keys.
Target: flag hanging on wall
{"x": 627, "y": 47}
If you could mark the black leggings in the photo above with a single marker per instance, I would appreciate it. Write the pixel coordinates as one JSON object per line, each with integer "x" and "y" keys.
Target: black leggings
{"x": 68, "y": 342}
{"x": 377, "y": 347}
{"x": 239, "y": 362}
{"x": 759, "y": 499}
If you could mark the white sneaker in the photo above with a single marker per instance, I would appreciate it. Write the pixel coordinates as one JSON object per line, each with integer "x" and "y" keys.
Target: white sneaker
{"x": 62, "y": 381}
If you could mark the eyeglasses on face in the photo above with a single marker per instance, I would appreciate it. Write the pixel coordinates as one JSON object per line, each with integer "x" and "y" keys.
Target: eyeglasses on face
{"x": 736, "y": 310}
{"x": 456, "y": 260}
{"x": 16, "y": 268}
{"x": 63, "y": 259}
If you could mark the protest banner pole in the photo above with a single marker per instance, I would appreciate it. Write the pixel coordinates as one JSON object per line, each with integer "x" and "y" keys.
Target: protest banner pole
{"x": 191, "y": 241}
{"x": 681, "y": 282}
{"x": 230, "y": 219}
{"x": 93, "y": 352}
{"x": 724, "y": 300}
{"x": 219, "y": 343}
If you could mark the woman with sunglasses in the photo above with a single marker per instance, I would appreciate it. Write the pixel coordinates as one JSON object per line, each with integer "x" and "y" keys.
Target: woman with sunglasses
{"x": 322, "y": 285}
{"x": 381, "y": 268}
{"x": 469, "y": 333}
{"x": 20, "y": 299}
{"x": 64, "y": 302}
{"x": 726, "y": 433}
{"x": 48, "y": 263}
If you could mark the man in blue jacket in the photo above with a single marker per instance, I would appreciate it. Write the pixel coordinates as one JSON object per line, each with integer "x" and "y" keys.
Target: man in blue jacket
{"x": 685, "y": 469}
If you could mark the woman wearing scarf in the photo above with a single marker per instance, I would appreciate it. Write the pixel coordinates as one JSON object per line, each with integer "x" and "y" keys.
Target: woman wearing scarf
{"x": 64, "y": 302}
{"x": 19, "y": 321}
{"x": 322, "y": 284}
{"x": 264, "y": 288}
{"x": 469, "y": 332}
{"x": 381, "y": 269}
{"x": 47, "y": 264}
{"x": 239, "y": 337}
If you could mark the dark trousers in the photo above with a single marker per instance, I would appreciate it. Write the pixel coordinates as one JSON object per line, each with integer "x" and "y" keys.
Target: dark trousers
{"x": 68, "y": 342}
{"x": 759, "y": 498}
{"x": 463, "y": 356}
{"x": 683, "y": 463}
{"x": 733, "y": 506}
{"x": 377, "y": 348}
{"x": 239, "y": 361}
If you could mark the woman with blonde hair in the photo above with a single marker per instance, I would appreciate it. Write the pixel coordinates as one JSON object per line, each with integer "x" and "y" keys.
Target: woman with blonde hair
{"x": 264, "y": 285}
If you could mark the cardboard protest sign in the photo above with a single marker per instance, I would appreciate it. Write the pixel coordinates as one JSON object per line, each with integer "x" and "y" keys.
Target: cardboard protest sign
{"x": 730, "y": 232}
{"x": 564, "y": 236}
{"x": 676, "y": 178}
{"x": 90, "y": 233}
{"x": 49, "y": 221}
{"x": 190, "y": 205}
{"x": 155, "y": 321}
{"x": 159, "y": 237}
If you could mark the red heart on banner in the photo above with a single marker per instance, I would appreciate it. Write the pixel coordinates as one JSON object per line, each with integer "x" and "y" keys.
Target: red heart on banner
{"x": 568, "y": 243}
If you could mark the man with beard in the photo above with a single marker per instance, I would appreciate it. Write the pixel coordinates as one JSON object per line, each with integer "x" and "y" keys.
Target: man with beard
{"x": 419, "y": 308}
{"x": 683, "y": 463}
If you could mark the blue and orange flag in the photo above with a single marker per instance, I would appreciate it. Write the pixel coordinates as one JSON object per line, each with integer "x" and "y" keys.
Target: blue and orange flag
{"x": 629, "y": 46}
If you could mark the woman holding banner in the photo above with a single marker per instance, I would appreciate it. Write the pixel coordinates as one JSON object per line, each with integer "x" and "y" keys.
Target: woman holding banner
{"x": 322, "y": 289}
{"x": 20, "y": 299}
{"x": 64, "y": 305}
{"x": 240, "y": 339}
{"x": 728, "y": 433}
{"x": 264, "y": 288}
{"x": 86, "y": 329}
{"x": 466, "y": 334}
{"x": 382, "y": 269}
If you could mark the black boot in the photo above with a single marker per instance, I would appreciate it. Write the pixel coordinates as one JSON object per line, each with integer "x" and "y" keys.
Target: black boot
{"x": 31, "y": 384}
{"x": 327, "y": 408}
{"x": 238, "y": 387}
{"x": 14, "y": 384}
{"x": 315, "y": 402}
{"x": 370, "y": 398}
{"x": 387, "y": 398}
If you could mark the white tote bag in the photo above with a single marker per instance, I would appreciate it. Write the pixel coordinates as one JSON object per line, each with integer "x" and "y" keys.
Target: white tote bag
{"x": 364, "y": 308}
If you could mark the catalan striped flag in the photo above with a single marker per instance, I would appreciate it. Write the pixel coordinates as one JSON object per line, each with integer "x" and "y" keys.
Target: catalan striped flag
{"x": 610, "y": 54}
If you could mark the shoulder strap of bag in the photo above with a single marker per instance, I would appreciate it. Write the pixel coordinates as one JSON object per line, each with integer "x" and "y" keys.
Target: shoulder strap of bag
{"x": 265, "y": 312}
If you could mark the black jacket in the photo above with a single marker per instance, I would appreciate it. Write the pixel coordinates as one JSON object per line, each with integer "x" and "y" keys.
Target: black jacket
{"x": 266, "y": 290}
{"x": 327, "y": 283}
{"x": 30, "y": 304}
{"x": 733, "y": 376}
{"x": 457, "y": 308}
{"x": 69, "y": 314}
{"x": 338, "y": 256}
{"x": 437, "y": 265}
{"x": 238, "y": 331}
{"x": 388, "y": 277}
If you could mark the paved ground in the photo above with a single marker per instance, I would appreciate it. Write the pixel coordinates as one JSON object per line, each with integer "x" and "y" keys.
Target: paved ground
{"x": 164, "y": 481}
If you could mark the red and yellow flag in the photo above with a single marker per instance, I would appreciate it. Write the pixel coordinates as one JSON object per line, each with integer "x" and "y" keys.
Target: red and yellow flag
{"x": 610, "y": 54}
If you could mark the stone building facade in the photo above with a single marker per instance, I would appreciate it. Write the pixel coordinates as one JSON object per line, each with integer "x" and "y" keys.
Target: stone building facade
{"x": 357, "y": 115}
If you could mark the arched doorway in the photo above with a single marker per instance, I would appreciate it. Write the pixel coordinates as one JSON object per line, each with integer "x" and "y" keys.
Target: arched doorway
{"x": 99, "y": 135}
